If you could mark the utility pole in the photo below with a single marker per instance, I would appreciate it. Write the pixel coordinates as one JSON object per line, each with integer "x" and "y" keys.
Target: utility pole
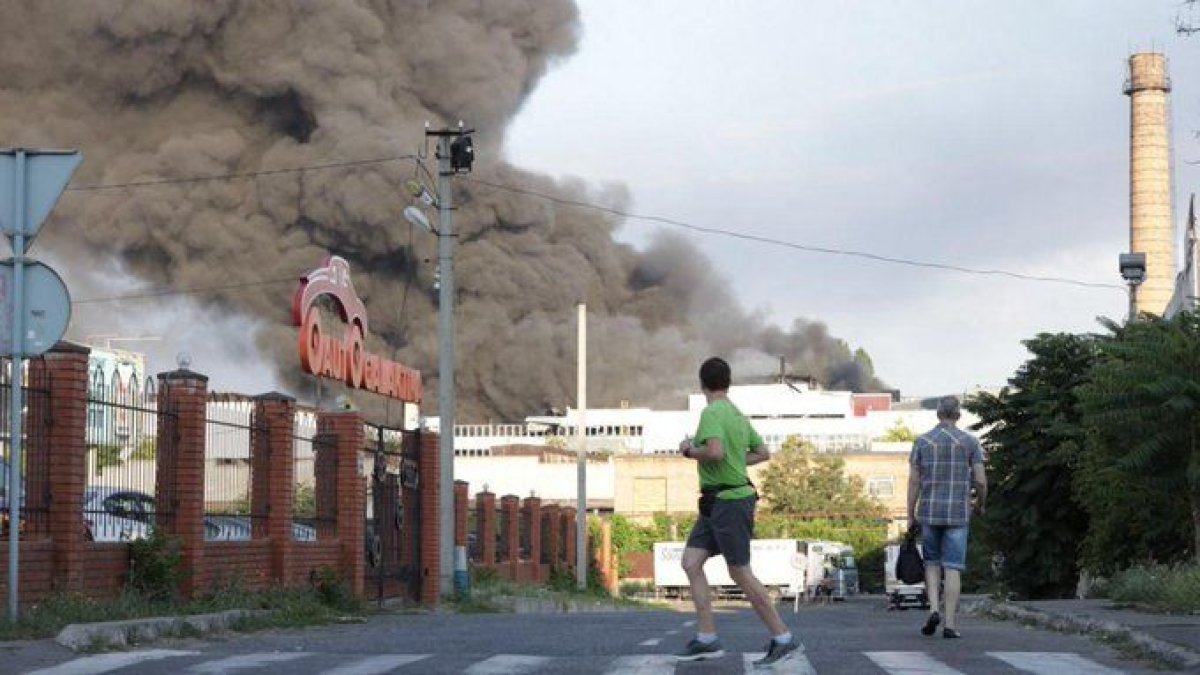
{"x": 455, "y": 154}
{"x": 581, "y": 492}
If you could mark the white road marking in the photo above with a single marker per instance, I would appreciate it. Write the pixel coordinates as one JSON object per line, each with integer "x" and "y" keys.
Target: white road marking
{"x": 103, "y": 663}
{"x": 689, "y": 624}
{"x": 910, "y": 663}
{"x": 245, "y": 662}
{"x": 651, "y": 642}
{"x": 507, "y": 664}
{"x": 796, "y": 664}
{"x": 1053, "y": 663}
{"x": 651, "y": 664}
{"x": 376, "y": 664}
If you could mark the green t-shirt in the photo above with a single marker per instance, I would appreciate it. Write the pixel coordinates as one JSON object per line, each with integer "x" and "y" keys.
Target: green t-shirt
{"x": 722, "y": 420}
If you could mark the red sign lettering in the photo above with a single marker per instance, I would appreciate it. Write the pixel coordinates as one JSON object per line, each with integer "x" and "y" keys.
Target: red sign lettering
{"x": 344, "y": 357}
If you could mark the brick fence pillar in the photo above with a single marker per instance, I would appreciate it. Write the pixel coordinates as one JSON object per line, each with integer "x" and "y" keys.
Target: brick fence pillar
{"x": 344, "y": 435}
{"x": 59, "y": 453}
{"x": 461, "y": 511}
{"x": 183, "y": 397}
{"x": 429, "y": 565}
{"x": 533, "y": 516}
{"x": 568, "y": 530}
{"x": 485, "y": 527}
{"x": 553, "y": 551}
{"x": 273, "y": 472}
{"x": 510, "y": 506}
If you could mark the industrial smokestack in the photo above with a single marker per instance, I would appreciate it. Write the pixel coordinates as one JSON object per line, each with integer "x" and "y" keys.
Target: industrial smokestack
{"x": 1151, "y": 221}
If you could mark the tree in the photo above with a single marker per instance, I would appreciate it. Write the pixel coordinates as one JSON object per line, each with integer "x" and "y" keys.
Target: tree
{"x": 1033, "y": 440}
{"x": 899, "y": 433}
{"x": 1141, "y": 478}
{"x": 801, "y": 481}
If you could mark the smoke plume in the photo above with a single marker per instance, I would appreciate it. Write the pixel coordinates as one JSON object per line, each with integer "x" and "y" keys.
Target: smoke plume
{"x": 157, "y": 91}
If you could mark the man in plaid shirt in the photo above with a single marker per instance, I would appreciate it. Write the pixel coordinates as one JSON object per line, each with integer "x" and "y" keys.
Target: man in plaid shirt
{"x": 944, "y": 463}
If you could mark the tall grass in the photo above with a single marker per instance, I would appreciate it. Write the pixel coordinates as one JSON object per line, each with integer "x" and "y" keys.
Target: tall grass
{"x": 1171, "y": 588}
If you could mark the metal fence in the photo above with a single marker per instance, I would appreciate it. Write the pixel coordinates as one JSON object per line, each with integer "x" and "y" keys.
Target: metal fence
{"x": 120, "y": 500}
{"x": 313, "y": 517}
{"x": 393, "y": 508}
{"x": 229, "y": 513}
{"x": 34, "y": 465}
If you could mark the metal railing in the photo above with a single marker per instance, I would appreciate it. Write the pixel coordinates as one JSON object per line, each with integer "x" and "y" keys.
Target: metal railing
{"x": 310, "y": 523}
{"x": 120, "y": 500}
{"x": 34, "y": 474}
{"x": 229, "y": 512}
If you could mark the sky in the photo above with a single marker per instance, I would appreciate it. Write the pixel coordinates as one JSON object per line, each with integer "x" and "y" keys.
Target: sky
{"x": 979, "y": 134}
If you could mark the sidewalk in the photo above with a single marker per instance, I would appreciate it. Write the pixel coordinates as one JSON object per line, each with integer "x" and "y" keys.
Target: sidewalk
{"x": 1174, "y": 638}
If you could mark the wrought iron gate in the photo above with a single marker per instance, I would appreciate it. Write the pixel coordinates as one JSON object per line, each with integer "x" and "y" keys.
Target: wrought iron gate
{"x": 393, "y": 527}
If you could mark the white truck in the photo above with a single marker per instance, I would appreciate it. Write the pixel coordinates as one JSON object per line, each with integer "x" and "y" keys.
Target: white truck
{"x": 899, "y": 594}
{"x": 789, "y": 568}
{"x": 838, "y": 559}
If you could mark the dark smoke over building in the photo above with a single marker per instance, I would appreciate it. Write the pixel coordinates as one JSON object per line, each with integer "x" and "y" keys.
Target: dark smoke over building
{"x": 169, "y": 90}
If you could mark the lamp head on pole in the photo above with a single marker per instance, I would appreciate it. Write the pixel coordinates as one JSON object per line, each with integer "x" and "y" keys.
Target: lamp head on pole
{"x": 420, "y": 192}
{"x": 1133, "y": 267}
{"x": 417, "y": 217}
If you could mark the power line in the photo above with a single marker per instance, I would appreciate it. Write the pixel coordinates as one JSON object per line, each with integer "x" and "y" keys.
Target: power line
{"x": 810, "y": 248}
{"x": 165, "y": 292}
{"x": 244, "y": 174}
{"x": 789, "y": 244}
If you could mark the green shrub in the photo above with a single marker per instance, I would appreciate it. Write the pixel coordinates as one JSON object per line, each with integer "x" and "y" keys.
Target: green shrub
{"x": 156, "y": 566}
{"x": 1140, "y": 584}
{"x": 332, "y": 591}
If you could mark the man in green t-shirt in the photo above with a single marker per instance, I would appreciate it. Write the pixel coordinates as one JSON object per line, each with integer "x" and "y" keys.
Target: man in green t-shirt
{"x": 724, "y": 445}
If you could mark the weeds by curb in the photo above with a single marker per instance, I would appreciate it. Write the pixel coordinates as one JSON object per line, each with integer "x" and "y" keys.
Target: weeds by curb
{"x": 1122, "y": 638}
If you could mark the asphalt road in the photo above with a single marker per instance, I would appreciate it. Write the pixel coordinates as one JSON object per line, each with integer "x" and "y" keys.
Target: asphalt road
{"x": 857, "y": 637}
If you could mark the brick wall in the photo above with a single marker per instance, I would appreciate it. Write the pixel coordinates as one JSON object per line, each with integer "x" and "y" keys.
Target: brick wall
{"x": 55, "y": 556}
{"x": 429, "y": 465}
{"x": 183, "y": 394}
{"x": 236, "y": 564}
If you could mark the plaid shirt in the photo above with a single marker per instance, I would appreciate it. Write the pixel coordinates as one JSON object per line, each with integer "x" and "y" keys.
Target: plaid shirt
{"x": 943, "y": 458}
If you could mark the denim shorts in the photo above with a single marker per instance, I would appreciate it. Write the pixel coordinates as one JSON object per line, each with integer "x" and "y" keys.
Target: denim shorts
{"x": 945, "y": 545}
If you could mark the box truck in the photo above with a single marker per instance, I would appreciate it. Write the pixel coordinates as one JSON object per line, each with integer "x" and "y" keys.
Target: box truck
{"x": 788, "y": 568}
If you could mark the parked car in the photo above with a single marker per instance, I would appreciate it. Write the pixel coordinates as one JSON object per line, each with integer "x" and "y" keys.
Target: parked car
{"x": 113, "y": 514}
{"x": 237, "y": 528}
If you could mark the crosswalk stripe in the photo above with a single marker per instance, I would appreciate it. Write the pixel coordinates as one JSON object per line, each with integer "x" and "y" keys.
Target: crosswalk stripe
{"x": 796, "y": 664}
{"x": 103, "y": 663}
{"x": 507, "y": 664}
{"x": 649, "y": 664}
{"x": 376, "y": 664}
{"x": 245, "y": 662}
{"x": 1053, "y": 663}
{"x": 650, "y": 643}
{"x": 910, "y": 663}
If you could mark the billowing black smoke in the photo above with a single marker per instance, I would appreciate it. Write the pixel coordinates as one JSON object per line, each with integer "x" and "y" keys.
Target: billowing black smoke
{"x": 175, "y": 89}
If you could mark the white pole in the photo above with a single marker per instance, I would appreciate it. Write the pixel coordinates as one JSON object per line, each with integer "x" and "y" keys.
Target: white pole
{"x": 581, "y": 493}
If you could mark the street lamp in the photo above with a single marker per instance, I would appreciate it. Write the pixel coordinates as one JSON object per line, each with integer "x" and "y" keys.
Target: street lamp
{"x": 1133, "y": 271}
{"x": 455, "y": 154}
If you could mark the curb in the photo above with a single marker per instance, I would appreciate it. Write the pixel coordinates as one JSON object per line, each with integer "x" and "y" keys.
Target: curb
{"x": 551, "y": 606}
{"x": 1177, "y": 656}
{"x": 119, "y": 634}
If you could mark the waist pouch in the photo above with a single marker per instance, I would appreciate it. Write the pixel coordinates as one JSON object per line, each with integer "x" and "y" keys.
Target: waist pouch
{"x": 708, "y": 496}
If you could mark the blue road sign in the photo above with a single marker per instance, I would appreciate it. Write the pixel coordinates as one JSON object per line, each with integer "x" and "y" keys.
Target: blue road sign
{"x": 46, "y": 173}
{"x": 46, "y": 307}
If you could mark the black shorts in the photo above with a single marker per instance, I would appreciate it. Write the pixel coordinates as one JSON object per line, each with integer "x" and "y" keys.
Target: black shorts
{"x": 727, "y": 531}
